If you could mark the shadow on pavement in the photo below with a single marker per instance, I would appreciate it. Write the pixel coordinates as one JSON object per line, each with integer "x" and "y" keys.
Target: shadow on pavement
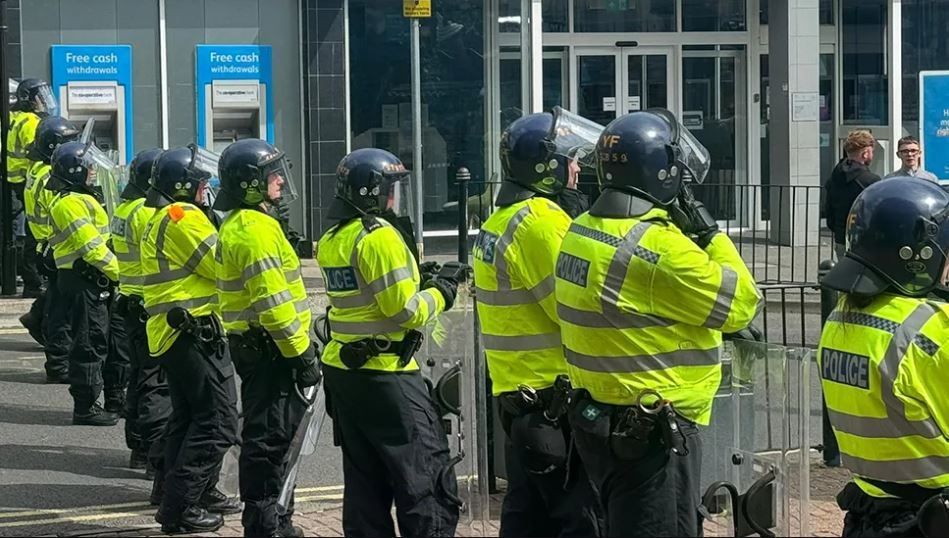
{"x": 20, "y": 343}
{"x": 31, "y": 415}
{"x": 32, "y": 376}
{"x": 105, "y": 463}
{"x": 23, "y": 497}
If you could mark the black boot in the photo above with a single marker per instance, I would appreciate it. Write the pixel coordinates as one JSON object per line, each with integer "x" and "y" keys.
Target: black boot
{"x": 94, "y": 416}
{"x": 157, "y": 491}
{"x": 34, "y": 327}
{"x": 194, "y": 519}
{"x": 288, "y": 530}
{"x": 137, "y": 460}
{"x": 213, "y": 500}
{"x": 115, "y": 402}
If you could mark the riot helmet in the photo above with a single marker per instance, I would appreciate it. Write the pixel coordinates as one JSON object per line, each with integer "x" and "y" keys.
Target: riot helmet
{"x": 50, "y": 133}
{"x": 34, "y": 95}
{"x": 649, "y": 154}
{"x": 253, "y": 172}
{"x": 181, "y": 175}
{"x": 140, "y": 173}
{"x": 897, "y": 240}
{"x": 366, "y": 182}
{"x": 536, "y": 151}
{"x": 76, "y": 167}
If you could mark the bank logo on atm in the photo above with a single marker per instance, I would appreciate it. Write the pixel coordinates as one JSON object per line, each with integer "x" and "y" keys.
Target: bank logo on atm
{"x": 845, "y": 368}
{"x": 340, "y": 279}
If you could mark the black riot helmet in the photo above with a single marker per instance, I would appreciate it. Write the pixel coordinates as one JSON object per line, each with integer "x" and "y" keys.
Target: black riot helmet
{"x": 140, "y": 173}
{"x": 71, "y": 169}
{"x": 34, "y": 95}
{"x": 253, "y": 172}
{"x": 50, "y": 133}
{"x": 649, "y": 154}
{"x": 179, "y": 175}
{"x": 364, "y": 181}
{"x": 897, "y": 240}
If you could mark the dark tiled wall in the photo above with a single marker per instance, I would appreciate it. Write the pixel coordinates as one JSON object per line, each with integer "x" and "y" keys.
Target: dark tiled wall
{"x": 325, "y": 102}
{"x": 14, "y": 67}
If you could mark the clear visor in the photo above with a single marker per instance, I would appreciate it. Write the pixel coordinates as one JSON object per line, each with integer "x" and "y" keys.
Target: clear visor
{"x": 401, "y": 198}
{"x": 574, "y": 137}
{"x": 45, "y": 101}
{"x": 87, "y": 129}
{"x": 204, "y": 161}
{"x": 103, "y": 176}
{"x": 691, "y": 153}
{"x": 280, "y": 187}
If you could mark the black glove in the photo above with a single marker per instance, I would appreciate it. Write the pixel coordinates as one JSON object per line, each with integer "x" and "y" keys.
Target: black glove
{"x": 306, "y": 367}
{"x": 700, "y": 224}
{"x": 428, "y": 270}
{"x": 455, "y": 271}
{"x": 446, "y": 286}
{"x": 750, "y": 333}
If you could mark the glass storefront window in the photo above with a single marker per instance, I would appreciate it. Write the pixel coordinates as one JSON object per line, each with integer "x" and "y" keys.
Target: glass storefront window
{"x": 713, "y": 15}
{"x": 863, "y": 45}
{"x": 826, "y": 13}
{"x": 925, "y": 48}
{"x": 554, "y": 14}
{"x": 452, "y": 93}
{"x": 624, "y": 16}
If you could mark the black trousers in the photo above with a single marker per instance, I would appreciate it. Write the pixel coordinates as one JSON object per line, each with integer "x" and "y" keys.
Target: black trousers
{"x": 88, "y": 314}
{"x": 655, "y": 495}
{"x": 869, "y": 517}
{"x": 115, "y": 371}
{"x": 272, "y": 413}
{"x": 561, "y": 502}
{"x": 203, "y": 422}
{"x": 57, "y": 331}
{"x": 148, "y": 404}
{"x": 28, "y": 258}
{"x": 394, "y": 450}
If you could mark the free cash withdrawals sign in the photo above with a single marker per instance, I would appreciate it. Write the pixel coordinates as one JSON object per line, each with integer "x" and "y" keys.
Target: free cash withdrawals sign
{"x": 934, "y": 122}
{"x": 233, "y": 62}
{"x": 95, "y": 63}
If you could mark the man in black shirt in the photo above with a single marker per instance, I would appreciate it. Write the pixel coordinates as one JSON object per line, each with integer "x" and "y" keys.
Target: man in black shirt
{"x": 851, "y": 175}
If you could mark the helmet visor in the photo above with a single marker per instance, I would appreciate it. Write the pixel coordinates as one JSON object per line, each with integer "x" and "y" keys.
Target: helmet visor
{"x": 574, "y": 137}
{"x": 276, "y": 173}
{"x": 103, "y": 176}
{"x": 45, "y": 101}
{"x": 690, "y": 153}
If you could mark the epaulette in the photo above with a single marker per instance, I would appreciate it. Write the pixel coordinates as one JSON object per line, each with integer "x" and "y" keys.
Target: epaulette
{"x": 371, "y": 223}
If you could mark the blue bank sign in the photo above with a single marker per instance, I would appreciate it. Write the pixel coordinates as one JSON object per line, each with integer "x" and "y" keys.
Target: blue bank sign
{"x": 934, "y": 122}
{"x": 246, "y": 63}
{"x": 109, "y": 64}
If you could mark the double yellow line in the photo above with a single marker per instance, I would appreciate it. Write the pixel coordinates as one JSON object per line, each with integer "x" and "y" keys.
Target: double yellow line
{"x": 105, "y": 512}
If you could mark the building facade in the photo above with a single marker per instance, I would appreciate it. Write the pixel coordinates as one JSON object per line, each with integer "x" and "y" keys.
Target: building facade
{"x": 771, "y": 87}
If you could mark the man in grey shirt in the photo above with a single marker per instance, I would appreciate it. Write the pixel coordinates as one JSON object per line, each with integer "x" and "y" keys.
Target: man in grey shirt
{"x": 909, "y": 153}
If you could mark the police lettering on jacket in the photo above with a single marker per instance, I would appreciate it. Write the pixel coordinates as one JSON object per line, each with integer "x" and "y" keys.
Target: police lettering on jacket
{"x": 845, "y": 368}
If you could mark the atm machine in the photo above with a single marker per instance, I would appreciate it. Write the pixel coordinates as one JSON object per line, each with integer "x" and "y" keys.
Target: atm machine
{"x": 236, "y": 112}
{"x": 103, "y": 101}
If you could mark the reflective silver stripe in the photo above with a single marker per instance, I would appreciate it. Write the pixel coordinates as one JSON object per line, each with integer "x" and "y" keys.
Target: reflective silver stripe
{"x": 521, "y": 342}
{"x": 275, "y": 300}
{"x": 907, "y": 470}
{"x": 81, "y": 251}
{"x": 411, "y": 308}
{"x": 168, "y": 275}
{"x": 392, "y": 277}
{"x": 596, "y": 320}
{"x": 252, "y": 270}
{"x": 895, "y": 424}
{"x": 616, "y": 273}
{"x": 250, "y": 314}
{"x": 500, "y": 264}
{"x": 200, "y": 251}
{"x": 294, "y": 274}
{"x": 518, "y": 297}
{"x": 352, "y": 301}
{"x": 197, "y": 302}
{"x": 364, "y": 327}
{"x": 129, "y": 229}
{"x": 643, "y": 363}
{"x": 128, "y": 257}
{"x": 73, "y": 227}
{"x": 302, "y": 305}
{"x": 230, "y": 285}
{"x": 723, "y": 302}
{"x": 132, "y": 280}
{"x": 286, "y": 332}
{"x": 163, "y": 263}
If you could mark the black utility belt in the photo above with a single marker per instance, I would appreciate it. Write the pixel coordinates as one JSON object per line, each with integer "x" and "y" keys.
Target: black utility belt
{"x": 356, "y": 354}
{"x": 552, "y": 400}
{"x": 635, "y": 430}
{"x": 910, "y": 492}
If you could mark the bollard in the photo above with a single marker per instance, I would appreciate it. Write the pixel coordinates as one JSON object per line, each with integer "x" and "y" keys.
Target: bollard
{"x": 828, "y": 300}
{"x": 463, "y": 177}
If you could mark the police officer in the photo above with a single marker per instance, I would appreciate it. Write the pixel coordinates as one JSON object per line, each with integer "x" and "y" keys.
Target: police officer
{"x": 50, "y": 134}
{"x": 185, "y": 335}
{"x": 148, "y": 405}
{"x": 86, "y": 268}
{"x": 515, "y": 255}
{"x": 267, "y": 319}
{"x": 645, "y": 287}
{"x": 34, "y": 101}
{"x": 882, "y": 354}
{"x": 394, "y": 448}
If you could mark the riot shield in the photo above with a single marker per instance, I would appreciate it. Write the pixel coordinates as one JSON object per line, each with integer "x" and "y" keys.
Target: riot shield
{"x": 106, "y": 176}
{"x": 757, "y": 451}
{"x": 303, "y": 443}
{"x": 459, "y": 388}
{"x": 86, "y": 136}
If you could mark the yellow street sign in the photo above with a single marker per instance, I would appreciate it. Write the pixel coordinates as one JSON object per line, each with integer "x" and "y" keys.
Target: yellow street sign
{"x": 421, "y": 9}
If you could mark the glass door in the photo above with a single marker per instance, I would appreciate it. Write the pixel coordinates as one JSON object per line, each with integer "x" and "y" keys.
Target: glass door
{"x": 596, "y": 85}
{"x": 610, "y": 81}
{"x": 714, "y": 108}
{"x": 648, "y": 75}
